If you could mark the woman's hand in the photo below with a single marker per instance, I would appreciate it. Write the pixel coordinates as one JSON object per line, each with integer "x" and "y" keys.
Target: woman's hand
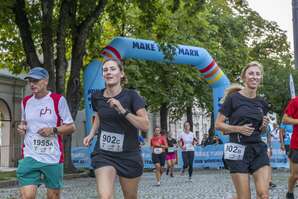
{"x": 282, "y": 147}
{"x": 116, "y": 105}
{"x": 265, "y": 123}
{"x": 87, "y": 140}
{"x": 246, "y": 129}
{"x": 22, "y": 127}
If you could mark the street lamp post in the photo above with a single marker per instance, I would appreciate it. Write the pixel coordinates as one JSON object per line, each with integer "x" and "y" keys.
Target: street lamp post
{"x": 295, "y": 30}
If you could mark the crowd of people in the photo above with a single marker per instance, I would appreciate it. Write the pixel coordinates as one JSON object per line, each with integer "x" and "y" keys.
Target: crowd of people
{"x": 120, "y": 114}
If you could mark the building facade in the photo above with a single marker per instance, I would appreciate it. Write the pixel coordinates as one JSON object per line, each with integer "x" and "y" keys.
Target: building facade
{"x": 12, "y": 90}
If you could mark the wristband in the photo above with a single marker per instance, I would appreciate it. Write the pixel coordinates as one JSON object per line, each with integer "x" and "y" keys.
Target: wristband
{"x": 55, "y": 130}
{"x": 125, "y": 113}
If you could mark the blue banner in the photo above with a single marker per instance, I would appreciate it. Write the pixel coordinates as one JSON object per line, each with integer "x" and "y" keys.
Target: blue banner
{"x": 205, "y": 157}
{"x": 80, "y": 157}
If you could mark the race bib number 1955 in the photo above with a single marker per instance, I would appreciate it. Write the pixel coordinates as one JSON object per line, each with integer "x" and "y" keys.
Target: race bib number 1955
{"x": 233, "y": 151}
{"x": 111, "y": 141}
{"x": 43, "y": 146}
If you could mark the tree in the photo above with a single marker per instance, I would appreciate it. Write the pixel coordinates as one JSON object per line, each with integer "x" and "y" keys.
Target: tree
{"x": 56, "y": 33}
{"x": 51, "y": 33}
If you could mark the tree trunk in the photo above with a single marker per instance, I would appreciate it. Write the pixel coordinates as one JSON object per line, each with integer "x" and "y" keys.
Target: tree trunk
{"x": 68, "y": 165}
{"x": 22, "y": 22}
{"x": 73, "y": 98}
{"x": 67, "y": 13}
{"x": 164, "y": 117}
{"x": 79, "y": 38}
{"x": 189, "y": 116}
{"x": 47, "y": 41}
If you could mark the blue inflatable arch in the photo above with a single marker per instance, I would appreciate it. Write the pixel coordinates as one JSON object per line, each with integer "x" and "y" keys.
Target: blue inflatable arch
{"x": 125, "y": 48}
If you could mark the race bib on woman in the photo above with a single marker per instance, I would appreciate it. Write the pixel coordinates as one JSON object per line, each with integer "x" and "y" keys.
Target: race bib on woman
{"x": 111, "y": 141}
{"x": 233, "y": 151}
{"x": 157, "y": 150}
{"x": 189, "y": 147}
{"x": 171, "y": 149}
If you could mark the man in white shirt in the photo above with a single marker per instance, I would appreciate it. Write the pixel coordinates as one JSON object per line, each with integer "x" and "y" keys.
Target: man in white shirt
{"x": 45, "y": 119}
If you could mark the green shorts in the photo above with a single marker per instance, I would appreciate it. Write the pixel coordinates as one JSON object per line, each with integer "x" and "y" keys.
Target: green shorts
{"x": 32, "y": 172}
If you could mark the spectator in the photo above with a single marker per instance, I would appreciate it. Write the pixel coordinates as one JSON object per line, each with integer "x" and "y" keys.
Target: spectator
{"x": 217, "y": 140}
{"x": 141, "y": 141}
{"x": 204, "y": 140}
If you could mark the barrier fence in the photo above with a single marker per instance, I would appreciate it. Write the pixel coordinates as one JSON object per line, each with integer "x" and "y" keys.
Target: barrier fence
{"x": 205, "y": 157}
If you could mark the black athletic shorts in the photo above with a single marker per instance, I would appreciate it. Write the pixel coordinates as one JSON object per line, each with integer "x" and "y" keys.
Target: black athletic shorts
{"x": 127, "y": 164}
{"x": 287, "y": 149}
{"x": 293, "y": 155}
{"x": 159, "y": 158}
{"x": 255, "y": 157}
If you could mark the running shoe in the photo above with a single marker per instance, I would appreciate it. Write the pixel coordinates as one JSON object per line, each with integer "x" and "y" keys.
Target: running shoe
{"x": 189, "y": 179}
{"x": 290, "y": 195}
{"x": 182, "y": 172}
{"x": 158, "y": 184}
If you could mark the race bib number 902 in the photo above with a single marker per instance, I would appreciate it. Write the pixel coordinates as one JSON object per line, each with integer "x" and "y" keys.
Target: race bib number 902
{"x": 233, "y": 151}
{"x": 111, "y": 141}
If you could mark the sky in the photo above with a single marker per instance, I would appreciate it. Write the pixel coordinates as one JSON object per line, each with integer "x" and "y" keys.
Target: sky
{"x": 279, "y": 11}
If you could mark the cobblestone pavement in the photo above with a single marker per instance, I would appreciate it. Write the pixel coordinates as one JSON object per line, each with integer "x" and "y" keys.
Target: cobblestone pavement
{"x": 206, "y": 184}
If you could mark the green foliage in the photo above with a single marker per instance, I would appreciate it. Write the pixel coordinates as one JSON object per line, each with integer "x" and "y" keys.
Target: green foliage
{"x": 233, "y": 33}
{"x": 7, "y": 175}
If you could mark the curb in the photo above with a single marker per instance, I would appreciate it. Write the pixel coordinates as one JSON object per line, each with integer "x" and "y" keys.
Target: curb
{"x": 14, "y": 183}
{"x": 76, "y": 175}
{"x": 8, "y": 183}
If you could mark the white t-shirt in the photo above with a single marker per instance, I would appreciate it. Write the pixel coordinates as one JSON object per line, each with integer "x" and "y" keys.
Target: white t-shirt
{"x": 40, "y": 113}
{"x": 187, "y": 140}
{"x": 275, "y": 133}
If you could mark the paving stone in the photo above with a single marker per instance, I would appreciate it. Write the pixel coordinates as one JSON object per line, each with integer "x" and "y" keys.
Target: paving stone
{"x": 211, "y": 184}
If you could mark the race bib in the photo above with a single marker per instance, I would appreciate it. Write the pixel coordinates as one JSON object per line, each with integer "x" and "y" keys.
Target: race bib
{"x": 111, "y": 141}
{"x": 171, "y": 149}
{"x": 189, "y": 147}
{"x": 43, "y": 145}
{"x": 233, "y": 151}
{"x": 157, "y": 150}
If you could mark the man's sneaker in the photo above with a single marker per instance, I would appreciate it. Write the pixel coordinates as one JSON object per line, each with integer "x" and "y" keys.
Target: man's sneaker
{"x": 272, "y": 185}
{"x": 189, "y": 179}
{"x": 158, "y": 184}
{"x": 290, "y": 195}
